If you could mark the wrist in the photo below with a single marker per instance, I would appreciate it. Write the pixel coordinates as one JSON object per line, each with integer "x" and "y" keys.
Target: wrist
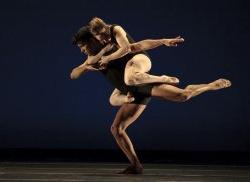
{"x": 165, "y": 42}
{"x": 106, "y": 58}
{"x": 103, "y": 51}
{"x": 162, "y": 41}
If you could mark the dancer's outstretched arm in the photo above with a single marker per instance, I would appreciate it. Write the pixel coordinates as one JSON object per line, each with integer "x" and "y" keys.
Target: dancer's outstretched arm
{"x": 153, "y": 43}
{"x": 125, "y": 47}
{"x": 136, "y": 47}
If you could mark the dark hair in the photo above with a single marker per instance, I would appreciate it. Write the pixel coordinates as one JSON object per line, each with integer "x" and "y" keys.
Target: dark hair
{"x": 84, "y": 37}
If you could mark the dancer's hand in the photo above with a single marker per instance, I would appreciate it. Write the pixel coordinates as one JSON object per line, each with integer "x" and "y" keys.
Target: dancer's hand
{"x": 130, "y": 98}
{"x": 76, "y": 72}
{"x": 104, "y": 61}
{"x": 108, "y": 47}
{"x": 173, "y": 42}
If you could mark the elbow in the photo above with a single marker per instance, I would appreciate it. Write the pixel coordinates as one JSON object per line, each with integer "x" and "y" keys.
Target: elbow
{"x": 72, "y": 76}
{"x": 135, "y": 48}
{"x": 112, "y": 102}
{"x": 126, "y": 49}
{"x": 75, "y": 73}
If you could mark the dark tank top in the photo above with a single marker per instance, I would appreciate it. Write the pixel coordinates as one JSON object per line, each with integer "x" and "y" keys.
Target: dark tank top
{"x": 114, "y": 72}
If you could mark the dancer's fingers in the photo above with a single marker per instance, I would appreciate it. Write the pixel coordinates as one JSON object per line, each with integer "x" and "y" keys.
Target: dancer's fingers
{"x": 130, "y": 97}
{"x": 179, "y": 40}
{"x": 102, "y": 68}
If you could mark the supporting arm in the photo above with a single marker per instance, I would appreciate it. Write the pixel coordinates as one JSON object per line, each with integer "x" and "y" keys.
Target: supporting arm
{"x": 123, "y": 46}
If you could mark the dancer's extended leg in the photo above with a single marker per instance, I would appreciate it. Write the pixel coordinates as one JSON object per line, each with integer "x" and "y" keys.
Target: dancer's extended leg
{"x": 173, "y": 93}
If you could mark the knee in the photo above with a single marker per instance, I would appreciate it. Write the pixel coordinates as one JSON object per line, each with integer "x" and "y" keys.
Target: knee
{"x": 117, "y": 130}
{"x": 132, "y": 79}
{"x": 129, "y": 80}
{"x": 113, "y": 130}
{"x": 185, "y": 95}
{"x": 113, "y": 102}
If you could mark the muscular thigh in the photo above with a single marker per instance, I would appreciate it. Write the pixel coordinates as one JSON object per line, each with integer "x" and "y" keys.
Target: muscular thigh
{"x": 166, "y": 91}
{"x": 127, "y": 114}
{"x": 139, "y": 63}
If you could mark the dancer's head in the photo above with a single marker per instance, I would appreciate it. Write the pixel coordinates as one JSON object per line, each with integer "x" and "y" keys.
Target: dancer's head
{"x": 100, "y": 30}
{"x": 86, "y": 42}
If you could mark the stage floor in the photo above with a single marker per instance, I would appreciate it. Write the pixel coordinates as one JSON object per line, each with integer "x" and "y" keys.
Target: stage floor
{"x": 60, "y": 171}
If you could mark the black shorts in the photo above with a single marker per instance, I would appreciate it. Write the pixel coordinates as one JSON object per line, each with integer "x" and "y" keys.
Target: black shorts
{"x": 141, "y": 99}
{"x": 142, "y": 94}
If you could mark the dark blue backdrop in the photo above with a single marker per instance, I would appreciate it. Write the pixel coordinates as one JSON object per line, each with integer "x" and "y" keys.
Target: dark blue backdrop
{"x": 42, "y": 108}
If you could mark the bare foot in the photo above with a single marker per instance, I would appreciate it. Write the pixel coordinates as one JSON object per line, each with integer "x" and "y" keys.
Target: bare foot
{"x": 131, "y": 169}
{"x": 220, "y": 83}
{"x": 170, "y": 80}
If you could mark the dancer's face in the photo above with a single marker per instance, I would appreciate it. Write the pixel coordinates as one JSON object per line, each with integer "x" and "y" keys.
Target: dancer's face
{"x": 83, "y": 48}
{"x": 103, "y": 35}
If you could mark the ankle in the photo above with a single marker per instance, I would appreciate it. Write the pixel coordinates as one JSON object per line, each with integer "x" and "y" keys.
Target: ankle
{"x": 137, "y": 164}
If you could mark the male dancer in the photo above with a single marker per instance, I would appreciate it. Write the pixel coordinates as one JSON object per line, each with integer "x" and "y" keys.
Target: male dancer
{"x": 131, "y": 109}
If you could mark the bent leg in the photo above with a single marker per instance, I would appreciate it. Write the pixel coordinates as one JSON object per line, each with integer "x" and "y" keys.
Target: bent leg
{"x": 126, "y": 115}
{"x": 135, "y": 72}
{"x": 118, "y": 99}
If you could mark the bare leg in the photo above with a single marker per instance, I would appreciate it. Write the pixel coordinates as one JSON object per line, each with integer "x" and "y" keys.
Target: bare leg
{"x": 173, "y": 93}
{"x": 126, "y": 115}
{"x": 193, "y": 87}
{"x": 135, "y": 72}
{"x": 215, "y": 85}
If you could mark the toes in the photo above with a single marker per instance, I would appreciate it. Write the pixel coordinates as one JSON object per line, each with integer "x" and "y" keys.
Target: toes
{"x": 226, "y": 83}
{"x": 222, "y": 83}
